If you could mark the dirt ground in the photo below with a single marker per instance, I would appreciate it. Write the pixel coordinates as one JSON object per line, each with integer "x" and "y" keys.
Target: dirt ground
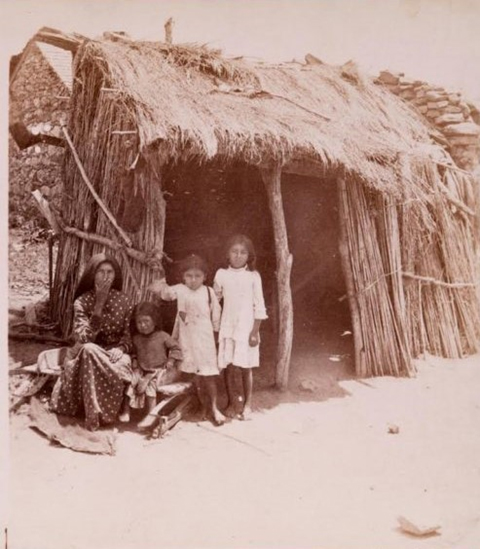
{"x": 315, "y": 467}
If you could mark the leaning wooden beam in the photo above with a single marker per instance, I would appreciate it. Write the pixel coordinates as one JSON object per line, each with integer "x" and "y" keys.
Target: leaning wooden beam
{"x": 64, "y": 41}
{"x": 139, "y": 256}
{"x": 454, "y": 168}
{"x": 27, "y": 336}
{"x": 360, "y": 366}
{"x": 457, "y": 203}
{"x": 124, "y": 132}
{"x": 99, "y": 201}
{"x": 272, "y": 180}
{"x": 130, "y": 272}
{"x": 44, "y": 207}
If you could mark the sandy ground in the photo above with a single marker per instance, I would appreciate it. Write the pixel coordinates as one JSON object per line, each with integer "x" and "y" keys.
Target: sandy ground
{"x": 313, "y": 468}
{"x": 316, "y": 470}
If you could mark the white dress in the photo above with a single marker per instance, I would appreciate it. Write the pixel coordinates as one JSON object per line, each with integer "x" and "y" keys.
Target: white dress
{"x": 198, "y": 316}
{"x": 243, "y": 303}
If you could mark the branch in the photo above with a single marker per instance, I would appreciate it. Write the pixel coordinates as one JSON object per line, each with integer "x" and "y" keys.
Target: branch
{"x": 141, "y": 257}
{"x": 88, "y": 183}
{"x": 457, "y": 203}
{"x": 436, "y": 282}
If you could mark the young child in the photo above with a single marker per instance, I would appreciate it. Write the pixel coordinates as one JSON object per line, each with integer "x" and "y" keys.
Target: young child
{"x": 240, "y": 286}
{"x": 154, "y": 365}
{"x": 198, "y": 317}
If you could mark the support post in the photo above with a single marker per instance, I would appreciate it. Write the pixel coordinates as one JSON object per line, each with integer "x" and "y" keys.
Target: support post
{"x": 272, "y": 181}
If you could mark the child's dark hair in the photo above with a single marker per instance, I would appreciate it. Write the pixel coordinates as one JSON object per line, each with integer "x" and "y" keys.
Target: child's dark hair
{"x": 193, "y": 261}
{"x": 244, "y": 241}
{"x": 146, "y": 308}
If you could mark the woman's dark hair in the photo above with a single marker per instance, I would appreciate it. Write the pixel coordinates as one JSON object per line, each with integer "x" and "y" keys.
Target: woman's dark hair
{"x": 146, "y": 308}
{"x": 87, "y": 281}
{"x": 193, "y": 261}
{"x": 244, "y": 241}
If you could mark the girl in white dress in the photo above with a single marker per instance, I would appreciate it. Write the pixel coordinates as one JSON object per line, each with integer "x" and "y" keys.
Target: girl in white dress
{"x": 198, "y": 317}
{"x": 240, "y": 286}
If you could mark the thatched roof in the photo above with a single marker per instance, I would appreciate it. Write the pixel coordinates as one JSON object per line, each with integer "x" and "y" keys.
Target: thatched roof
{"x": 188, "y": 101}
{"x": 409, "y": 253}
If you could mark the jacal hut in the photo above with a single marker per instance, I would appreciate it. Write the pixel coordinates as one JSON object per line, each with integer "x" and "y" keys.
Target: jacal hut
{"x": 172, "y": 148}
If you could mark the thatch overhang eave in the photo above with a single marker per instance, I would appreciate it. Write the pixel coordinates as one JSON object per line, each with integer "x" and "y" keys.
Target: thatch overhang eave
{"x": 278, "y": 113}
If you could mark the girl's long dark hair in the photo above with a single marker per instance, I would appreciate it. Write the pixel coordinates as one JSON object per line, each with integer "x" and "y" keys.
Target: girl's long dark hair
{"x": 146, "y": 308}
{"x": 87, "y": 281}
{"x": 244, "y": 241}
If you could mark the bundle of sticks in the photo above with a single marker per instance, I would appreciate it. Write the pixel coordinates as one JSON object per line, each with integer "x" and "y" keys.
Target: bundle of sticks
{"x": 411, "y": 270}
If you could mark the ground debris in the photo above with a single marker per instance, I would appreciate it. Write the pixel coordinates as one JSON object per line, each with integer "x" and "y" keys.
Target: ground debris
{"x": 22, "y": 386}
{"x": 416, "y": 529}
{"x": 68, "y": 433}
{"x": 308, "y": 386}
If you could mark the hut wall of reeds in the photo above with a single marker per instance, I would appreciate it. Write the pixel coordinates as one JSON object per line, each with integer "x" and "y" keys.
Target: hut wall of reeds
{"x": 144, "y": 113}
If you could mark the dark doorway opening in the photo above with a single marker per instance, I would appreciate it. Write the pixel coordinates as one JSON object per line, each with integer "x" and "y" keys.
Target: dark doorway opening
{"x": 208, "y": 203}
{"x": 321, "y": 312}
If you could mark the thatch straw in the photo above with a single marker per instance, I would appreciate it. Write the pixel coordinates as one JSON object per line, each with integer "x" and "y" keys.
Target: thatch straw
{"x": 374, "y": 253}
{"x": 414, "y": 274}
{"x": 442, "y": 306}
{"x": 189, "y": 102}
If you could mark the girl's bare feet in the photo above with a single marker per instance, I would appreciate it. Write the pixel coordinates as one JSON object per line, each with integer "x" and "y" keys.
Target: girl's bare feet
{"x": 230, "y": 412}
{"x": 218, "y": 418}
{"x": 247, "y": 412}
{"x": 202, "y": 413}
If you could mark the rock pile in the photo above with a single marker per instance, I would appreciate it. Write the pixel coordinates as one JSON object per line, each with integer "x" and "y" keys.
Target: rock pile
{"x": 448, "y": 112}
{"x": 40, "y": 100}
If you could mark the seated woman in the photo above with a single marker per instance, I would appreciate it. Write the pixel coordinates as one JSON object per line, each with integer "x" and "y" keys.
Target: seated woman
{"x": 98, "y": 366}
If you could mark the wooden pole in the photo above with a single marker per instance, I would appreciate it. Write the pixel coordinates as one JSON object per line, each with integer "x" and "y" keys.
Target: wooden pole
{"x": 360, "y": 366}
{"x": 272, "y": 180}
{"x": 168, "y": 31}
{"x": 27, "y": 336}
{"x": 99, "y": 201}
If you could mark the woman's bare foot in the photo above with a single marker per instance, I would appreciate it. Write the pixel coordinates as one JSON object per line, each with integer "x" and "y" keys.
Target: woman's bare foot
{"x": 218, "y": 418}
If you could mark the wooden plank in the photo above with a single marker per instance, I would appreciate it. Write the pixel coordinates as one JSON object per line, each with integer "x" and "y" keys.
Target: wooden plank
{"x": 305, "y": 167}
{"x": 27, "y": 336}
{"x": 272, "y": 180}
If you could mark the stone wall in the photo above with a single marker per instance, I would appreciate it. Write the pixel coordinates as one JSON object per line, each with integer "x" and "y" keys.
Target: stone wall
{"x": 447, "y": 111}
{"x": 39, "y": 99}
